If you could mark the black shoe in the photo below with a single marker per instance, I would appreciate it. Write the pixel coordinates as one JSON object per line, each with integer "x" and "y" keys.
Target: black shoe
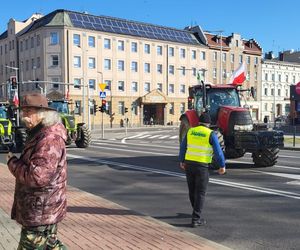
{"x": 198, "y": 223}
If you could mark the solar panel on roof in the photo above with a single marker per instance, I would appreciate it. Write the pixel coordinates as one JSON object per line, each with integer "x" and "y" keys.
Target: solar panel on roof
{"x": 130, "y": 28}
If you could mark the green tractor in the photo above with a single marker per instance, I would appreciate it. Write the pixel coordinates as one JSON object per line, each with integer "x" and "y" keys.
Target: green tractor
{"x": 79, "y": 133}
{"x": 12, "y": 137}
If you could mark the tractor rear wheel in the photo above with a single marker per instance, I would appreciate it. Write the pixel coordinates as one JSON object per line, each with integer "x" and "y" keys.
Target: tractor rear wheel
{"x": 266, "y": 157}
{"x": 84, "y": 136}
{"x": 20, "y": 139}
{"x": 183, "y": 129}
{"x": 214, "y": 164}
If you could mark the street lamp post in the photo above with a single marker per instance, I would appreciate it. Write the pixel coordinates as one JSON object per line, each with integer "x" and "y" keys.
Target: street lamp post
{"x": 274, "y": 101}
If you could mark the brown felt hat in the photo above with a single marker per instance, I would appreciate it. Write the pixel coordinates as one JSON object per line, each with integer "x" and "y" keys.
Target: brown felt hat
{"x": 35, "y": 100}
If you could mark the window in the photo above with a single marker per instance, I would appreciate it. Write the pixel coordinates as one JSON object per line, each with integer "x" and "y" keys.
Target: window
{"x": 159, "y": 50}
{"x": 77, "y": 110}
{"x": 134, "y": 86}
{"x": 121, "y": 86}
{"x": 202, "y": 55}
{"x": 159, "y": 68}
{"x": 77, "y": 83}
{"x": 248, "y": 76}
{"x": 147, "y": 87}
{"x": 279, "y": 77}
{"x": 91, "y": 42}
{"x": 121, "y": 65}
{"x": 134, "y": 108}
{"x": 121, "y": 45}
{"x": 182, "y": 107}
{"x": 294, "y": 79}
{"x": 182, "y": 88}
{"x": 255, "y": 76}
{"x": 215, "y": 55}
{"x": 38, "y": 62}
{"x": 76, "y": 40}
{"x": 266, "y": 91}
{"x": 287, "y": 93}
{"x": 32, "y": 42}
{"x": 134, "y": 47}
{"x": 92, "y": 83}
{"x": 232, "y": 58}
{"x": 107, "y": 44}
{"x": 182, "y": 71}
{"x": 266, "y": 76}
{"x": 26, "y": 45}
{"x": 33, "y": 64}
{"x": 108, "y": 84}
{"x": 224, "y": 74}
{"x": 272, "y": 92}
{"x": 55, "y": 79}
{"x": 171, "y": 88}
{"x": 171, "y": 108}
{"x": 147, "y": 67}
{"x": 134, "y": 66}
{"x": 147, "y": 48}
{"x": 182, "y": 53}
{"x": 92, "y": 63}
{"x": 53, "y": 38}
{"x": 266, "y": 106}
{"x": 121, "y": 107}
{"x": 241, "y": 59}
{"x": 54, "y": 60}
{"x": 38, "y": 40}
{"x": 214, "y": 73}
{"x": 256, "y": 60}
{"x": 194, "y": 70}
{"x": 193, "y": 54}
{"x": 279, "y": 92}
{"x": 171, "y": 51}
{"x": 248, "y": 59}
{"x": 107, "y": 64}
{"x": 159, "y": 86}
{"x": 171, "y": 69}
{"x": 77, "y": 61}
{"x": 286, "y": 78}
{"x": 224, "y": 57}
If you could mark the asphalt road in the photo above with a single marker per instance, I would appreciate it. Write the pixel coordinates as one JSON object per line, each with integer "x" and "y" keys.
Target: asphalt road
{"x": 248, "y": 208}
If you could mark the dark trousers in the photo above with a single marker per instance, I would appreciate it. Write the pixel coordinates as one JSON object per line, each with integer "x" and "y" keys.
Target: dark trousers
{"x": 197, "y": 179}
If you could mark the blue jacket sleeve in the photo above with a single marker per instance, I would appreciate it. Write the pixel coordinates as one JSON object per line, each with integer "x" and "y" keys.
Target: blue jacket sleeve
{"x": 182, "y": 151}
{"x": 218, "y": 153}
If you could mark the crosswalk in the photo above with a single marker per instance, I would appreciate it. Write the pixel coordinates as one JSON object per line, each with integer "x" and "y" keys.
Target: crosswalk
{"x": 156, "y": 137}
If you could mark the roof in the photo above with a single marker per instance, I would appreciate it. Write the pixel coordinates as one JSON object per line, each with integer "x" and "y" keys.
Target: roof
{"x": 114, "y": 25}
{"x": 250, "y": 46}
{"x": 3, "y": 35}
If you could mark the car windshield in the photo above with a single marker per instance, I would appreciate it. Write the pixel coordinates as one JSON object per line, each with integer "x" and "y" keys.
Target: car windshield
{"x": 61, "y": 107}
{"x": 3, "y": 113}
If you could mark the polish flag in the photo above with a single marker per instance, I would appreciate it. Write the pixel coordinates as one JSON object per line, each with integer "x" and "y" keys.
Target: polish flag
{"x": 238, "y": 76}
{"x": 16, "y": 99}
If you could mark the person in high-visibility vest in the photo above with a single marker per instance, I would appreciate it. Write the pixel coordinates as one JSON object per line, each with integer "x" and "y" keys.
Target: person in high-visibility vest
{"x": 196, "y": 152}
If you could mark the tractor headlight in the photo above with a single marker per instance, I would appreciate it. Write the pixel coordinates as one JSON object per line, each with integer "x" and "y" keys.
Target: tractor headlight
{"x": 248, "y": 127}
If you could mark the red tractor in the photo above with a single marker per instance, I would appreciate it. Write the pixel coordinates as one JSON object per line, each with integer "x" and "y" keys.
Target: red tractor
{"x": 233, "y": 124}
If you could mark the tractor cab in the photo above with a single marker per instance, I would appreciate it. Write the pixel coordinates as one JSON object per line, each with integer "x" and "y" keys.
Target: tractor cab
{"x": 217, "y": 96}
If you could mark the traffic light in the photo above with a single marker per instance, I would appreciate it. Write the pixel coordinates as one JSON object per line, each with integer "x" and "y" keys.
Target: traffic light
{"x": 13, "y": 81}
{"x": 103, "y": 105}
{"x": 126, "y": 110}
{"x": 95, "y": 108}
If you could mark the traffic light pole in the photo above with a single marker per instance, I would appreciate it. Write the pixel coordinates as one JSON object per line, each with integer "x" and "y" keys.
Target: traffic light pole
{"x": 102, "y": 125}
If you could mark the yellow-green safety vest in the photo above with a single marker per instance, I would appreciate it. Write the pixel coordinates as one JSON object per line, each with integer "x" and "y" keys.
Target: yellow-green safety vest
{"x": 198, "y": 147}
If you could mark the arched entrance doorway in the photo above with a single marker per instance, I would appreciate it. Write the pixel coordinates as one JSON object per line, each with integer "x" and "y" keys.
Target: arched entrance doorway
{"x": 153, "y": 108}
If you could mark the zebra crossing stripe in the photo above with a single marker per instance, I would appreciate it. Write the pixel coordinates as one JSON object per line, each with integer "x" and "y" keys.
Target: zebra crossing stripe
{"x": 163, "y": 137}
{"x": 144, "y": 136}
{"x": 154, "y": 136}
{"x": 174, "y": 137}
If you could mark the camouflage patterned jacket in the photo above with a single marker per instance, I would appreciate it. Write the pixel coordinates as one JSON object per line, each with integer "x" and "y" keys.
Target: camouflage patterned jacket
{"x": 41, "y": 174}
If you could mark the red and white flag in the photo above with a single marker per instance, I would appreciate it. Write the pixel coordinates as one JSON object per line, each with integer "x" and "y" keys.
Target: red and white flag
{"x": 16, "y": 99}
{"x": 238, "y": 76}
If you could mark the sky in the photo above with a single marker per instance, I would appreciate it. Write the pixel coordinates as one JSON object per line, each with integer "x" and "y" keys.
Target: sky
{"x": 274, "y": 24}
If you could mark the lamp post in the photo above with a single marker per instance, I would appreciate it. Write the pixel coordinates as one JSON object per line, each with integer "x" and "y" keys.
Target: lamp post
{"x": 274, "y": 100}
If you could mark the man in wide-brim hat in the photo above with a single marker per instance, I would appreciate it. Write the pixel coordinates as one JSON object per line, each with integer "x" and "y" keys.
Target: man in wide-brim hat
{"x": 41, "y": 174}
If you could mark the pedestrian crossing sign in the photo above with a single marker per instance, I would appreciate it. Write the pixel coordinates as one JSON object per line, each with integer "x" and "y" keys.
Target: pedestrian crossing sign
{"x": 102, "y": 94}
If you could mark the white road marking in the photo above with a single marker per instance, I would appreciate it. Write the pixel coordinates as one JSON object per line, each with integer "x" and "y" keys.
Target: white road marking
{"x": 163, "y": 137}
{"x": 174, "y": 137}
{"x": 288, "y": 176}
{"x": 276, "y": 192}
{"x": 154, "y": 136}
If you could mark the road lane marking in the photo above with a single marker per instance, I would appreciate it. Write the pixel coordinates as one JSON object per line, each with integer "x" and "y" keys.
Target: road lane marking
{"x": 288, "y": 176}
{"x": 271, "y": 191}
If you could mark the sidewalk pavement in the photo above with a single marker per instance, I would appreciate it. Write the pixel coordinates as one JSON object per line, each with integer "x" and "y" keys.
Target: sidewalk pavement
{"x": 95, "y": 223}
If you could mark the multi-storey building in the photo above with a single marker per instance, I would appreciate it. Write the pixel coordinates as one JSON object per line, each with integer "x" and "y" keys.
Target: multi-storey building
{"x": 226, "y": 53}
{"x": 277, "y": 77}
{"x": 147, "y": 68}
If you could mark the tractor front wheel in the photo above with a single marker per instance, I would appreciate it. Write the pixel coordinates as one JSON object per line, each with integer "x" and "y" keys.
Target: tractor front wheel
{"x": 266, "y": 157}
{"x": 84, "y": 136}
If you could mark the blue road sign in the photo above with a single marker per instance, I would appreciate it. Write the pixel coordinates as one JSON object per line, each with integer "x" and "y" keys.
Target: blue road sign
{"x": 102, "y": 94}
